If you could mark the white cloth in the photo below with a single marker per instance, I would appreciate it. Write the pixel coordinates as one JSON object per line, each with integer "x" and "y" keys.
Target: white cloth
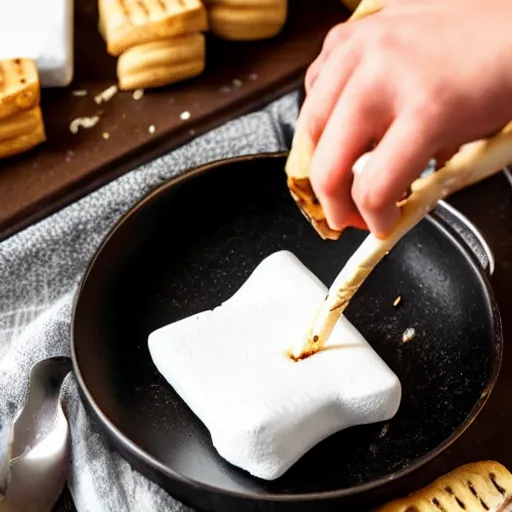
{"x": 39, "y": 272}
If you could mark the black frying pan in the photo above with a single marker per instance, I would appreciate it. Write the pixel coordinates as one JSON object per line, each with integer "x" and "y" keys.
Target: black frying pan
{"x": 189, "y": 246}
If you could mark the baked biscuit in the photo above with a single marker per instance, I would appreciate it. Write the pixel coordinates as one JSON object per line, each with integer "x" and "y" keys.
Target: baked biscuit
{"x": 246, "y": 20}
{"x": 478, "y": 487}
{"x": 162, "y": 62}
{"x": 128, "y": 23}
{"x": 21, "y": 132}
{"x": 21, "y": 120}
{"x": 19, "y": 86}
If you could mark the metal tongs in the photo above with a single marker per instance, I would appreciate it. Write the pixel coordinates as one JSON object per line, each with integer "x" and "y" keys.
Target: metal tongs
{"x": 474, "y": 162}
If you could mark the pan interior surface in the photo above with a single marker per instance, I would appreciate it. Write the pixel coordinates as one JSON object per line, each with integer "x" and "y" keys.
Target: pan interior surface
{"x": 194, "y": 243}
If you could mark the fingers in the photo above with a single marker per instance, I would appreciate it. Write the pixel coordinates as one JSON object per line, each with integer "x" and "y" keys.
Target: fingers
{"x": 399, "y": 158}
{"x": 323, "y": 95}
{"x": 312, "y": 73}
{"x": 349, "y": 106}
{"x": 354, "y": 124}
{"x": 336, "y": 37}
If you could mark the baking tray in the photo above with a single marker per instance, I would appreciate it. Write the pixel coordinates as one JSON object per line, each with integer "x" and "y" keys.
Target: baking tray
{"x": 239, "y": 78}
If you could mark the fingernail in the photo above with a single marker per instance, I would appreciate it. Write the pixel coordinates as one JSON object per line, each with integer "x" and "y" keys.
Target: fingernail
{"x": 361, "y": 163}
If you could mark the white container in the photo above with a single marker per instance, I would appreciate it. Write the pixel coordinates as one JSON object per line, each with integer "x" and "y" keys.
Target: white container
{"x": 41, "y": 30}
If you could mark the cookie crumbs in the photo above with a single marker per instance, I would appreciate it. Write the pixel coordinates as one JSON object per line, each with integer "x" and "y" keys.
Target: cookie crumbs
{"x": 106, "y": 95}
{"x": 83, "y": 122}
{"x": 137, "y": 94}
{"x": 408, "y": 335}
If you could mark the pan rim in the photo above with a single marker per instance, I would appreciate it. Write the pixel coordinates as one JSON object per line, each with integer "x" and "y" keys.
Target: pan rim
{"x": 112, "y": 431}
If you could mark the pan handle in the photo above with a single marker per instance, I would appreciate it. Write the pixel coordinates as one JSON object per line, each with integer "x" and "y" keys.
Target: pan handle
{"x": 468, "y": 233}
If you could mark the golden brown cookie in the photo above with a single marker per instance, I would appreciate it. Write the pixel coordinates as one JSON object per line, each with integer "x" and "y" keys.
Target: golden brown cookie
{"x": 128, "y": 23}
{"x": 21, "y": 132}
{"x": 19, "y": 86}
{"x": 478, "y": 487}
{"x": 246, "y": 20}
{"x": 162, "y": 62}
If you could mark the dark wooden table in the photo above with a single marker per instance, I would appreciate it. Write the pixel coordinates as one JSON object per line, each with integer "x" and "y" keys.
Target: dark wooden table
{"x": 239, "y": 78}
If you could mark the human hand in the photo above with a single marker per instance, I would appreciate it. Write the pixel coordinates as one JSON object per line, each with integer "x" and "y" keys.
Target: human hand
{"x": 418, "y": 79}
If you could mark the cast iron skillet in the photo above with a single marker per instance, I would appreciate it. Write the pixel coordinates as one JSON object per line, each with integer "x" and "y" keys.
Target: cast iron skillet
{"x": 189, "y": 246}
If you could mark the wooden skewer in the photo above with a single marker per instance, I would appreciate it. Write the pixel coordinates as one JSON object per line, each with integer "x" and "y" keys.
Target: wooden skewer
{"x": 474, "y": 162}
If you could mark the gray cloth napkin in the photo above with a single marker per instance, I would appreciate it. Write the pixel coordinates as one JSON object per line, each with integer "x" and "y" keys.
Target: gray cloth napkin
{"x": 40, "y": 269}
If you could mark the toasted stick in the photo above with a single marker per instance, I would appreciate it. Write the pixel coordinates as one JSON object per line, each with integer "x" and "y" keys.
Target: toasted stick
{"x": 301, "y": 153}
{"x": 128, "y": 23}
{"x": 478, "y": 487}
{"x": 19, "y": 86}
{"x": 162, "y": 62}
{"x": 297, "y": 170}
{"x": 21, "y": 132}
{"x": 246, "y": 20}
{"x": 474, "y": 162}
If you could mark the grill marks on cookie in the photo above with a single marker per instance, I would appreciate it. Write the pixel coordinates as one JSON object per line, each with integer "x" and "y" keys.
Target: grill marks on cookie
{"x": 140, "y": 11}
{"x": 126, "y": 24}
{"x": 15, "y": 76}
{"x": 477, "y": 487}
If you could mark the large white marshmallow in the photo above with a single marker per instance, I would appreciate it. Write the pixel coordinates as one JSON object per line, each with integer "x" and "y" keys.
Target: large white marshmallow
{"x": 263, "y": 410}
{"x": 41, "y": 30}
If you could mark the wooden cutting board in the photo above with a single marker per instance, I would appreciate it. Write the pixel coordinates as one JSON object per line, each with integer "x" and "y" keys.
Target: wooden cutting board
{"x": 240, "y": 77}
